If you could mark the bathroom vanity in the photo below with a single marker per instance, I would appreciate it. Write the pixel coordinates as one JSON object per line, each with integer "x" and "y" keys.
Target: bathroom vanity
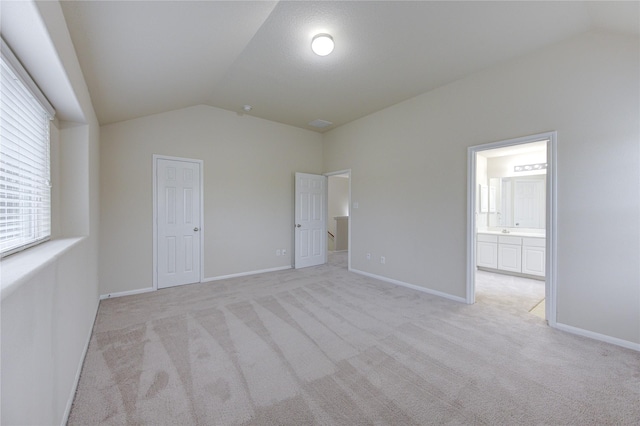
{"x": 516, "y": 253}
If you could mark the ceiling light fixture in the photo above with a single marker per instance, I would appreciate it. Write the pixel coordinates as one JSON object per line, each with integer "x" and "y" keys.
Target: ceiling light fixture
{"x": 530, "y": 167}
{"x": 322, "y": 44}
{"x": 320, "y": 124}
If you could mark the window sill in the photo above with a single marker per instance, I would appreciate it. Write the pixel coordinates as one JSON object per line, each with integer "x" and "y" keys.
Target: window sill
{"x": 20, "y": 267}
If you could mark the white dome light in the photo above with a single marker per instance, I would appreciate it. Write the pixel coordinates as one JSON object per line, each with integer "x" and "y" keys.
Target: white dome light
{"x": 322, "y": 44}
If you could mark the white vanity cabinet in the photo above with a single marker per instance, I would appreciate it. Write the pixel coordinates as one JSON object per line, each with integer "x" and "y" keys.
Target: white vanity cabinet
{"x": 487, "y": 251}
{"x": 511, "y": 253}
{"x": 533, "y": 256}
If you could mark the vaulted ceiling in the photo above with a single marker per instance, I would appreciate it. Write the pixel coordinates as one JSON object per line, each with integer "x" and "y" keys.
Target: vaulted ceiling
{"x": 146, "y": 57}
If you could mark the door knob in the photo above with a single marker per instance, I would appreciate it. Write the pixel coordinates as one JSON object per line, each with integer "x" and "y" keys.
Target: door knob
{"x": 196, "y": 229}
{"x": 298, "y": 226}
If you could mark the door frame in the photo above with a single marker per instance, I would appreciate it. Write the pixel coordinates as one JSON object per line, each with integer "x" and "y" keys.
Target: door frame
{"x": 342, "y": 172}
{"x": 551, "y": 241}
{"x": 157, "y": 157}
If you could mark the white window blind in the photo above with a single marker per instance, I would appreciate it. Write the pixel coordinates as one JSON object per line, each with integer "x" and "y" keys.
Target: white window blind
{"x": 25, "y": 186}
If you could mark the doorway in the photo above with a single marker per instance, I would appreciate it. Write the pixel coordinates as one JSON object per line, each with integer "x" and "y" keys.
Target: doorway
{"x": 177, "y": 221}
{"x": 511, "y": 223}
{"x": 339, "y": 218}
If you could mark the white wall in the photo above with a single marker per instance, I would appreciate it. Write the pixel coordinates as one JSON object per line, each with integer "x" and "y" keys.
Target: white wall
{"x": 50, "y": 292}
{"x": 249, "y": 165}
{"x": 408, "y": 167}
{"x": 46, "y": 321}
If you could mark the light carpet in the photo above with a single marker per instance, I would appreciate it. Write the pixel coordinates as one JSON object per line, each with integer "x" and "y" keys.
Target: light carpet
{"x": 324, "y": 346}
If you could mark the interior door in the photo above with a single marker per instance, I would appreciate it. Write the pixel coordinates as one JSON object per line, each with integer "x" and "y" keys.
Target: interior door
{"x": 310, "y": 220}
{"x": 529, "y": 202}
{"x": 178, "y": 222}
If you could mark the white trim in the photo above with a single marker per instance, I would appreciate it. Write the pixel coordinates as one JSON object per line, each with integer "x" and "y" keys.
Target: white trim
{"x": 76, "y": 381}
{"x": 126, "y": 293}
{"x": 411, "y": 286}
{"x": 597, "y": 336}
{"x": 21, "y": 267}
{"x": 552, "y": 231}
{"x": 155, "y": 158}
{"x": 471, "y": 226}
{"x": 154, "y": 220}
{"x": 244, "y": 274}
{"x": 341, "y": 172}
{"x": 552, "y": 221}
{"x": 16, "y": 66}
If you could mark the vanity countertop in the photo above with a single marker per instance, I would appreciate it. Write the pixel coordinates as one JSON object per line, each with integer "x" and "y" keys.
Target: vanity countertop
{"x": 514, "y": 234}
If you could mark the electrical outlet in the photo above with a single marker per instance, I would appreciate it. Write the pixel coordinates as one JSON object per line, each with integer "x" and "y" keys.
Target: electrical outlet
{"x": 382, "y": 259}
{"x": 278, "y": 252}
{"x": 284, "y": 252}
{"x": 368, "y": 256}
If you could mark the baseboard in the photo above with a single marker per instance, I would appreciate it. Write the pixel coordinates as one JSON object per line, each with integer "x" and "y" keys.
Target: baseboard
{"x": 244, "y": 274}
{"x": 412, "y": 286}
{"x": 563, "y": 327}
{"x": 513, "y": 274}
{"x": 72, "y": 395}
{"x": 597, "y": 336}
{"x": 125, "y": 293}
{"x": 222, "y": 277}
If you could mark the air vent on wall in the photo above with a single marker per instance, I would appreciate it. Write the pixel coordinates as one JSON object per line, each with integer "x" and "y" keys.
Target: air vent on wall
{"x": 320, "y": 124}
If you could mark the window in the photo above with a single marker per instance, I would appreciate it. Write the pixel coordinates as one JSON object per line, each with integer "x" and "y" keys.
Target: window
{"x": 25, "y": 186}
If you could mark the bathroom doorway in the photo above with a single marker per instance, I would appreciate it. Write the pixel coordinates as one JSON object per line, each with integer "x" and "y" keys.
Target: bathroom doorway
{"x": 511, "y": 231}
{"x": 338, "y": 218}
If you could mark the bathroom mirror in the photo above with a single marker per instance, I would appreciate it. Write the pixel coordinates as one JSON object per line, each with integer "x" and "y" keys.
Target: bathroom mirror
{"x": 484, "y": 199}
{"x": 520, "y": 202}
{"x": 494, "y": 202}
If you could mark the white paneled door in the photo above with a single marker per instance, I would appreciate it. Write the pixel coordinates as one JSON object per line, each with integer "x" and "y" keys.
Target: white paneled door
{"x": 529, "y": 202}
{"x": 310, "y": 220}
{"x": 178, "y": 222}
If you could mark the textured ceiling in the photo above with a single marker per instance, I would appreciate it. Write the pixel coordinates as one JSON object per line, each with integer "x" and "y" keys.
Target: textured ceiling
{"x": 141, "y": 58}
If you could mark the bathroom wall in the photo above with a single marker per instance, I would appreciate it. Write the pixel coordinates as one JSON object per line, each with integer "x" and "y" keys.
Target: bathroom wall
{"x": 503, "y": 166}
